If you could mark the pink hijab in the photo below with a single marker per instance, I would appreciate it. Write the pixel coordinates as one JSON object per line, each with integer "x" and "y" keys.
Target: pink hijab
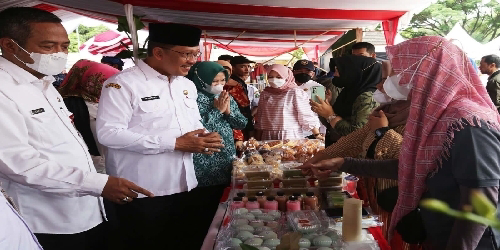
{"x": 285, "y": 73}
{"x": 446, "y": 89}
{"x": 85, "y": 80}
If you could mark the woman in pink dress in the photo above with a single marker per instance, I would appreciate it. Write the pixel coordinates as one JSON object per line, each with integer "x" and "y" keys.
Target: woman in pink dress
{"x": 284, "y": 110}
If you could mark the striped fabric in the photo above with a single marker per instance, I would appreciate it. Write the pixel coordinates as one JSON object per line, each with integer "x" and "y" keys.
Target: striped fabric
{"x": 284, "y": 116}
{"x": 446, "y": 89}
{"x": 257, "y": 23}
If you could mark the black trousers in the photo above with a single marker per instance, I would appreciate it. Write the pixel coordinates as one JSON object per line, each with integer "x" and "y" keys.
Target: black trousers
{"x": 92, "y": 239}
{"x": 178, "y": 221}
{"x": 205, "y": 207}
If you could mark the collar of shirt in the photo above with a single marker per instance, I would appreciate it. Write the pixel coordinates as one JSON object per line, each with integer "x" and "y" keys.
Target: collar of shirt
{"x": 494, "y": 74}
{"x": 151, "y": 73}
{"x": 23, "y": 77}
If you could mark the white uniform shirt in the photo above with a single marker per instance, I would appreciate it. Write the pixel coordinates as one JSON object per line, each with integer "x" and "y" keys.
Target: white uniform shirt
{"x": 253, "y": 96}
{"x": 44, "y": 163}
{"x": 14, "y": 232}
{"x": 140, "y": 116}
{"x": 307, "y": 88}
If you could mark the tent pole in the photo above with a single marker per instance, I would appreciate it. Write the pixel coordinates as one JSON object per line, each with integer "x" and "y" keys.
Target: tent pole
{"x": 78, "y": 37}
{"x": 296, "y": 47}
{"x": 243, "y": 32}
{"x": 218, "y": 42}
{"x": 205, "y": 45}
{"x": 295, "y": 37}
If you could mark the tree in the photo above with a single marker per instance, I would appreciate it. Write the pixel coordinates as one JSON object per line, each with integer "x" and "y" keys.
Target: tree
{"x": 297, "y": 55}
{"x": 479, "y": 19}
{"x": 85, "y": 34}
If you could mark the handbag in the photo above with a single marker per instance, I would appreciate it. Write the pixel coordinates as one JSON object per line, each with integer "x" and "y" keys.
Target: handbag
{"x": 411, "y": 226}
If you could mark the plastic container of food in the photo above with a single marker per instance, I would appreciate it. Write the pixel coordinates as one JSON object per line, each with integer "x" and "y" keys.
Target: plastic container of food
{"x": 294, "y": 183}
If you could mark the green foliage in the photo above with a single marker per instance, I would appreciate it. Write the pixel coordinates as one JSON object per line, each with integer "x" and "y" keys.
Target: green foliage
{"x": 485, "y": 211}
{"x": 85, "y": 34}
{"x": 480, "y": 20}
{"x": 123, "y": 27}
{"x": 297, "y": 55}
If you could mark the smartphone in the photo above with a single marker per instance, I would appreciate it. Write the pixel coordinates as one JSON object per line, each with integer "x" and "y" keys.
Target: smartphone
{"x": 317, "y": 91}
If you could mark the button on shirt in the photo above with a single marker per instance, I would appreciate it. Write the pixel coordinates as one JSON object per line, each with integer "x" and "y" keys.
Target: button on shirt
{"x": 44, "y": 163}
{"x": 141, "y": 114}
{"x": 14, "y": 232}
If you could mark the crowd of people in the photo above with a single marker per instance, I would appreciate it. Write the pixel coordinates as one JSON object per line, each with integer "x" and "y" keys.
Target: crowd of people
{"x": 157, "y": 140}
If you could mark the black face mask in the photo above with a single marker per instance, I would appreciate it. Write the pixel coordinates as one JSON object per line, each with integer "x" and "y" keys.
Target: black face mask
{"x": 302, "y": 78}
{"x": 337, "y": 82}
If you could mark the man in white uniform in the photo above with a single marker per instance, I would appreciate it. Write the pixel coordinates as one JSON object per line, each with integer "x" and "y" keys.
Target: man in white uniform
{"x": 14, "y": 233}
{"x": 148, "y": 118}
{"x": 44, "y": 163}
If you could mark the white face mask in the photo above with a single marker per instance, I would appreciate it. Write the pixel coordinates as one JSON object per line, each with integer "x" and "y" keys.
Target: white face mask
{"x": 394, "y": 90}
{"x": 47, "y": 64}
{"x": 381, "y": 97}
{"x": 276, "y": 82}
{"x": 392, "y": 87}
{"x": 215, "y": 89}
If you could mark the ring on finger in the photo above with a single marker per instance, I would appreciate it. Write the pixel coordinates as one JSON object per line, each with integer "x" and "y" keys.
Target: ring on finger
{"x": 126, "y": 199}
{"x": 205, "y": 150}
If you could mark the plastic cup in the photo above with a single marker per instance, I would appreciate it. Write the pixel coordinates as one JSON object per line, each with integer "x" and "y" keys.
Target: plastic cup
{"x": 351, "y": 182}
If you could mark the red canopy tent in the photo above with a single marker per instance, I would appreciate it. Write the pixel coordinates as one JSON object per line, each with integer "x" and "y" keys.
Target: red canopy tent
{"x": 257, "y": 27}
{"x": 107, "y": 43}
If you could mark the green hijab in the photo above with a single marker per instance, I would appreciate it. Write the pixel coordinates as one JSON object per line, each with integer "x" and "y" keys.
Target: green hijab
{"x": 203, "y": 73}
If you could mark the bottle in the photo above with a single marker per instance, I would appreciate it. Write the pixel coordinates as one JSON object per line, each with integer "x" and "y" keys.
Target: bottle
{"x": 261, "y": 198}
{"x": 299, "y": 198}
{"x": 271, "y": 203}
{"x": 311, "y": 202}
{"x": 252, "y": 203}
{"x": 292, "y": 204}
{"x": 243, "y": 196}
{"x": 281, "y": 198}
{"x": 237, "y": 203}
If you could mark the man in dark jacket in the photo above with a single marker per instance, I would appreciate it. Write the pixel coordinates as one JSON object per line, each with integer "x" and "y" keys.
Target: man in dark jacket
{"x": 490, "y": 65}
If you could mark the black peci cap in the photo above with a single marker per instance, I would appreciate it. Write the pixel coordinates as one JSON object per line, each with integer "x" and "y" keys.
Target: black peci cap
{"x": 174, "y": 34}
{"x": 240, "y": 60}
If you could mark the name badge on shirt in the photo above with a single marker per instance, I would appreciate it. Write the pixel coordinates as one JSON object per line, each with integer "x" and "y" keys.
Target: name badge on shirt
{"x": 150, "y": 98}
{"x": 37, "y": 111}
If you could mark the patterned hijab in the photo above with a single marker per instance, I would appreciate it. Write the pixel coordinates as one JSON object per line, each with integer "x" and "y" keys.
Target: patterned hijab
{"x": 203, "y": 74}
{"x": 85, "y": 80}
{"x": 446, "y": 91}
{"x": 286, "y": 74}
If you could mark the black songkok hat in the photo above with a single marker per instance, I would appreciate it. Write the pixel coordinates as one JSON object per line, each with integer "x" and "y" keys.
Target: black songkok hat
{"x": 174, "y": 34}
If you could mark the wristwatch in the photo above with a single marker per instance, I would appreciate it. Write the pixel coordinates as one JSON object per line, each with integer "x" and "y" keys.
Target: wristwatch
{"x": 380, "y": 132}
{"x": 330, "y": 118}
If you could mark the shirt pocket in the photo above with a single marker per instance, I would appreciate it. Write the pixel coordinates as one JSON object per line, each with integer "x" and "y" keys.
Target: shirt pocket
{"x": 47, "y": 127}
{"x": 154, "y": 115}
{"x": 192, "y": 109}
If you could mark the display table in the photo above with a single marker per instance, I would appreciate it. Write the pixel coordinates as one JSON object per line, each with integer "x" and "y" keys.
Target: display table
{"x": 209, "y": 242}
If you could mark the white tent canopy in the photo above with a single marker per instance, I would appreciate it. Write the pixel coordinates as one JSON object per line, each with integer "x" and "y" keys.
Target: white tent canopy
{"x": 461, "y": 38}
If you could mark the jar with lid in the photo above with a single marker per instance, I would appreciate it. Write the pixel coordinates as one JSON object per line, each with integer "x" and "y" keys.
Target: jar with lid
{"x": 311, "y": 201}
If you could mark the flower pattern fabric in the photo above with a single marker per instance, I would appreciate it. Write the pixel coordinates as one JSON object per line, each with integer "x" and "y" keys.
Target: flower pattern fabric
{"x": 216, "y": 169}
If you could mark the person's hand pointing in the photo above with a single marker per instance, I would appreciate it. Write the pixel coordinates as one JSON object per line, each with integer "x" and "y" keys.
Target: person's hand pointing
{"x": 121, "y": 191}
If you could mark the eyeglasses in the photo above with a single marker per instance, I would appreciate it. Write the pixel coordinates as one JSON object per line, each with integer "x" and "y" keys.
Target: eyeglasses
{"x": 187, "y": 56}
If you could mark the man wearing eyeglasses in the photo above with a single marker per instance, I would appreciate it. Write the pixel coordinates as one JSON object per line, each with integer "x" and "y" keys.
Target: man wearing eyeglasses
{"x": 148, "y": 119}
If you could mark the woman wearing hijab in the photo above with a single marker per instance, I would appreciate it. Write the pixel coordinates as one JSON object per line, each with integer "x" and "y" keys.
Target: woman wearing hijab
{"x": 219, "y": 113}
{"x": 450, "y": 145}
{"x": 81, "y": 90}
{"x": 357, "y": 76}
{"x": 379, "y": 139}
{"x": 283, "y": 111}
